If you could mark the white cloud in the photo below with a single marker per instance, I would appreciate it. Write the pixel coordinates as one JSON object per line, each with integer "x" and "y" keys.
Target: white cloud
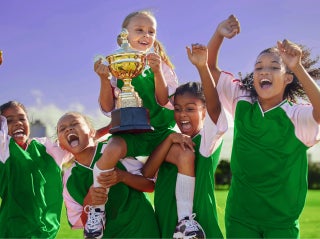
{"x": 50, "y": 114}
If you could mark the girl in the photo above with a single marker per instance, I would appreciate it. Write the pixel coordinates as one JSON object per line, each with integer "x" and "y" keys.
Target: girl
{"x": 272, "y": 133}
{"x": 30, "y": 176}
{"x": 153, "y": 86}
{"x": 130, "y": 214}
{"x": 200, "y": 118}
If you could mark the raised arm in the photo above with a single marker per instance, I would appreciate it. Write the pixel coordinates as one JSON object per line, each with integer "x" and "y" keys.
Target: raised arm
{"x": 106, "y": 99}
{"x": 227, "y": 28}
{"x": 198, "y": 56}
{"x": 291, "y": 55}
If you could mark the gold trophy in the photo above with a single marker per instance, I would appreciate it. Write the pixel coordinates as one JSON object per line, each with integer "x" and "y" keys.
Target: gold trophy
{"x": 129, "y": 115}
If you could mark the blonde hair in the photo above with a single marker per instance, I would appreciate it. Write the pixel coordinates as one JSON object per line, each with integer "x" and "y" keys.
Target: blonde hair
{"x": 158, "y": 47}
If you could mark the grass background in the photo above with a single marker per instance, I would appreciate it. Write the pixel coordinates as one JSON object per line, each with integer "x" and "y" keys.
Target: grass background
{"x": 309, "y": 220}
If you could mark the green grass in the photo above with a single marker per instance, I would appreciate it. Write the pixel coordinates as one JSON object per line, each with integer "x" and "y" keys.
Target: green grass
{"x": 309, "y": 221}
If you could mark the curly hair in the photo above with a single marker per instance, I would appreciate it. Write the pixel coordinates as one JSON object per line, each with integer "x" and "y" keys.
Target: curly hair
{"x": 294, "y": 90}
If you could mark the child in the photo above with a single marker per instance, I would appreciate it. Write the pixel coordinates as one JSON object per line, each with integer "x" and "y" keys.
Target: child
{"x": 153, "y": 86}
{"x": 130, "y": 214}
{"x": 199, "y": 116}
{"x": 272, "y": 133}
{"x": 30, "y": 176}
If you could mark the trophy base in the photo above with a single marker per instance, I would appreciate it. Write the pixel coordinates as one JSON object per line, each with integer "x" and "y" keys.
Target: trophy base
{"x": 130, "y": 120}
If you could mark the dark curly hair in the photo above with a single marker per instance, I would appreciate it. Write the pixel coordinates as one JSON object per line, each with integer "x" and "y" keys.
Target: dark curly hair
{"x": 192, "y": 88}
{"x": 294, "y": 90}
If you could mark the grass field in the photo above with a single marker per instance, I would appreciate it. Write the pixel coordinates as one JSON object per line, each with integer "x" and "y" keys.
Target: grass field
{"x": 309, "y": 221}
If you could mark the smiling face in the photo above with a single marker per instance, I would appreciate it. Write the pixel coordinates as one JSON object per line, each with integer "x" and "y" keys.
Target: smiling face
{"x": 18, "y": 124}
{"x": 141, "y": 31}
{"x": 74, "y": 133}
{"x": 189, "y": 113}
{"x": 270, "y": 78}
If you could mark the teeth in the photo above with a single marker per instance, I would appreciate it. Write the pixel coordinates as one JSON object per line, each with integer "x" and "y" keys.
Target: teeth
{"x": 184, "y": 122}
{"x": 18, "y": 131}
{"x": 265, "y": 80}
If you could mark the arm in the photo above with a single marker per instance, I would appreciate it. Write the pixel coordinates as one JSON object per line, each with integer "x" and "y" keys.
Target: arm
{"x": 291, "y": 55}
{"x": 161, "y": 87}
{"x": 102, "y": 131}
{"x": 159, "y": 155}
{"x": 106, "y": 99}
{"x": 227, "y": 28}
{"x": 198, "y": 56}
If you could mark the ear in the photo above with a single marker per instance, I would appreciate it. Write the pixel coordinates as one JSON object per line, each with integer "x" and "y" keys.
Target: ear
{"x": 289, "y": 78}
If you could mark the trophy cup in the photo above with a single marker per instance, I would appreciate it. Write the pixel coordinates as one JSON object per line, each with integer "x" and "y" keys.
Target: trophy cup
{"x": 129, "y": 115}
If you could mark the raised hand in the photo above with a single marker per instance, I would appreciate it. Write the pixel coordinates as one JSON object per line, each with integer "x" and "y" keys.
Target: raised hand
{"x": 197, "y": 54}
{"x": 229, "y": 27}
{"x": 290, "y": 53}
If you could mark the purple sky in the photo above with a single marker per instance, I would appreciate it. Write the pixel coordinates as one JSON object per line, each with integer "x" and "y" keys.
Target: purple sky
{"x": 49, "y": 45}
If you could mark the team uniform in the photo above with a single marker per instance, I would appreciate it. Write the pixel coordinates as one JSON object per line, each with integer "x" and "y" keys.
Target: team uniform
{"x": 129, "y": 211}
{"x": 30, "y": 188}
{"x": 208, "y": 145}
{"x": 161, "y": 118}
{"x": 268, "y": 162}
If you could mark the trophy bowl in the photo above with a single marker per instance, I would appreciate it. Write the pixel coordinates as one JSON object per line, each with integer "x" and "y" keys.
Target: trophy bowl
{"x": 126, "y": 65}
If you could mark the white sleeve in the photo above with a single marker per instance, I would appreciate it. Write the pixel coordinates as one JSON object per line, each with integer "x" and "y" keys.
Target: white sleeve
{"x": 229, "y": 92}
{"x": 60, "y": 156}
{"x": 306, "y": 128}
{"x": 74, "y": 209}
{"x": 172, "y": 82}
{"x": 4, "y": 140}
{"x": 132, "y": 165}
{"x": 211, "y": 133}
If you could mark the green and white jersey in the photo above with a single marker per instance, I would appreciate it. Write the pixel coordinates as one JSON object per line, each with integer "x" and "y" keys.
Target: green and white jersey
{"x": 208, "y": 145}
{"x": 269, "y": 157}
{"x": 161, "y": 118}
{"x": 129, "y": 213}
{"x": 30, "y": 188}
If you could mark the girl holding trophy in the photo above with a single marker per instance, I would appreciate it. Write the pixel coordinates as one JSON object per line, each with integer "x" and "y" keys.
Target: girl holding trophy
{"x": 154, "y": 86}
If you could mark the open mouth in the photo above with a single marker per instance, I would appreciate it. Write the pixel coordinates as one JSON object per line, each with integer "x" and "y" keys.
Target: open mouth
{"x": 18, "y": 133}
{"x": 265, "y": 83}
{"x": 73, "y": 140}
{"x": 185, "y": 125}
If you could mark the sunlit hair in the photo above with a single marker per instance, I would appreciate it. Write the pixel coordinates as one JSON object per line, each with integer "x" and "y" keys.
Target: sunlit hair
{"x": 11, "y": 104}
{"x": 78, "y": 114}
{"x": 294, "y": 90}
{"x": 191, "y": 88}
{"x": 158, "y": 47}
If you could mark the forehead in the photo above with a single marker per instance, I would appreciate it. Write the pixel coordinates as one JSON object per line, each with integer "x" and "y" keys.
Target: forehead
{"x": 142, "y": 20}
{"x": 185, "y": 99}
{"x": 68, "y": 118}
{"x": 269, "y": 57}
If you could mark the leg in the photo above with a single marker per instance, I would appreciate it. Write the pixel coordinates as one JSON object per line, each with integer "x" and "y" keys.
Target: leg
{"x": 187, "y": 227}
{"x": 115, "y": 149}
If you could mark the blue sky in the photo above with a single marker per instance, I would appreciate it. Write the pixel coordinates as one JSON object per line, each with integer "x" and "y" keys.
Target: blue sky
{"x": 48, "y": 46}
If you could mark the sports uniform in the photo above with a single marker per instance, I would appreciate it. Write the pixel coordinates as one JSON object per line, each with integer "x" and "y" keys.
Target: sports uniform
{"x": 208, "y": 145}
{"x": 161, "y": 118}
{"x": 268, "y": 162}
{"x": 30, "y": 188}
{"x": 129, "y": 212}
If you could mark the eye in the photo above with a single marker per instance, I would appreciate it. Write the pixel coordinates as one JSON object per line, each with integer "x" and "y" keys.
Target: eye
{"x": 61, "y": 129}
{"x": 176, "y": 109}
{"x": 189, "y": 109}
